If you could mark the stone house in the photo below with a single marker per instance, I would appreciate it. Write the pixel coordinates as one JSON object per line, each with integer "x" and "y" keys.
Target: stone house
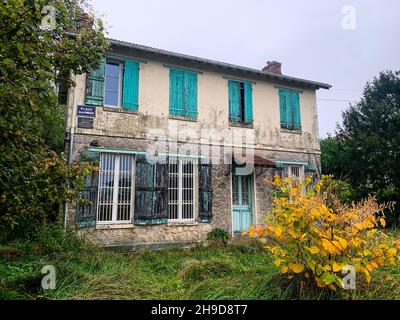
{"x": 184, "y": 144}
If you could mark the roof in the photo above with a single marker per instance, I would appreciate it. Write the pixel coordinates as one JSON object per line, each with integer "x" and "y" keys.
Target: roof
{"x": 254, "y": 159}
{"x": 222, "y": 66}
{"x": 263, "y": 161}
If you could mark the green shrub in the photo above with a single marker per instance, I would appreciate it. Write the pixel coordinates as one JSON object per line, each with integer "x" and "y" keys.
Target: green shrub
{"x": 35, "y": 179}
{"x": 52, "y": 238}
{"x": 218, "y": 234}
{"x": 10, "y": 253}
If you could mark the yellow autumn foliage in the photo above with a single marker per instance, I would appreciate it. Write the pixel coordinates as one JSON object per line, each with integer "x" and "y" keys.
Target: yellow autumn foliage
{"x": 313, "y": 236}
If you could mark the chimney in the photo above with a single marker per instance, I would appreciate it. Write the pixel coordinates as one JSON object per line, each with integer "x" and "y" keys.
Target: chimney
{"x": 273, "y": 66}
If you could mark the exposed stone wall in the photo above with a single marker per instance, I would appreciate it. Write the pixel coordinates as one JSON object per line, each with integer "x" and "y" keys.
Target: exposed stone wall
{"x": 138, "y": 125}
{"x": 82, "y": 141}
{"x": 148, "y": 234}
{"x": 222, "y": 198}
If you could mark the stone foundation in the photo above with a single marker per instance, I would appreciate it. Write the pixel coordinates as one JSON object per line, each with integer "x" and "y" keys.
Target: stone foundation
{"x": 122, "y": 235}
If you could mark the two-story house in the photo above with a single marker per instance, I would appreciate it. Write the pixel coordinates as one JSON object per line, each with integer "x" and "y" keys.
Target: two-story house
{"x": 185, "y": 144}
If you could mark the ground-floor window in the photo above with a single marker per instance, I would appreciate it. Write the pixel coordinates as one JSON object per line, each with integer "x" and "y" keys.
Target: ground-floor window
{"x": 129, "y": 189}
{"x": 181, "y": 190}
{"x": 294, "y": 171}
{"x": 115, "y": 193}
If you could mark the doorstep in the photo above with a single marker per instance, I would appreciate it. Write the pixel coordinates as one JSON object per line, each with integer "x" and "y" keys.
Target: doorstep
{"x": 239, "y": 235}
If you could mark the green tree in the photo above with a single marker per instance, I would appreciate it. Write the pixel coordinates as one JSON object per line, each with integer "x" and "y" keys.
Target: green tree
{"x": 366, "y": 148}
{"x": 332, "y": 157}
{"x": 34, "y": 61}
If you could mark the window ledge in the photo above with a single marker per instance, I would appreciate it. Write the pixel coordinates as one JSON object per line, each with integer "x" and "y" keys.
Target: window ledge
{"x": 242, "y": 125}
{"x": 291, "y": 131}
{"x": 114, "y": 226}
{"x": 182, "y": 118}
{"x": 119, "y": 110}
{"x": 182, "y": 223}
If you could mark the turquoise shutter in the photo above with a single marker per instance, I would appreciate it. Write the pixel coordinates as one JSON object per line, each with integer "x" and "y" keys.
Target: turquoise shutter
{"x": 130, "y": 90}
{"x": 205, "y": 193}
{"x": 151, "y": 193}
{"x": 286, "y": 109}
{"x": 248, "y": 103}
{"x": 86, "y": 208}
{"x": 289, "y": 110}
{"x": 190, "y": 98}
{"x": 160, "y": 206}
{"x": 295, "y": 102}
{"x": 144, "y": 191}
{"x": 176, "y": 92}
{"x": 282, "y": 108}
{"x": 95, "y": 85}
{"x": 234, "y": 101}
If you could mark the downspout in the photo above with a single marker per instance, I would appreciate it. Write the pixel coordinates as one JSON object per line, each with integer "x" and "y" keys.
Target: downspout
{"x": 71, "y": 145}
{"x": 69, "y": 162}
{"x": 317, "y": 138}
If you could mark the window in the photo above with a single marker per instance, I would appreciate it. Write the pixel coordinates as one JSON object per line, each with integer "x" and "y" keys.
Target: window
{"x": 183, "y": 93}
{"x": 114, "y": 84}
{"x": 181, "y": 191}
{"x": 240, "y": 102}
{"x": 115, "y": 188}
{"x": 128, "y": 188}
{"x": 294, "y": 171}
{"x": 289, "y": 103}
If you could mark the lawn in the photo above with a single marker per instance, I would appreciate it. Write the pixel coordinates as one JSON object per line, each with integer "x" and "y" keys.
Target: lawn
{"x": 241, "y": 270}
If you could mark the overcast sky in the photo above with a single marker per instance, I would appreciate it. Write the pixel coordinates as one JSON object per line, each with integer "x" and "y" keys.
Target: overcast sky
{"x": 307, "y": 36}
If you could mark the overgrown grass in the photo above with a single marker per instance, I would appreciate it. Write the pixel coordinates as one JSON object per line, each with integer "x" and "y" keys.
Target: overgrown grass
{"x": 241, "y": 270}
{"x": 201, "y": 273}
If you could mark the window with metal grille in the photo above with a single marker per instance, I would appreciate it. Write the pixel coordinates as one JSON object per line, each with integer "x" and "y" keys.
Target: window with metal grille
{"x": 115, "y": 195}
{"x": 181, "y": 190}
{"x": 294, "y": 171}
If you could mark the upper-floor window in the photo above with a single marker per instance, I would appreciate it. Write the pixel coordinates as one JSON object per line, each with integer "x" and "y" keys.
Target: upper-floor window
{"x": 183, "y": 93}
{"x": 289, "y": 103}
{"x": 240, "y": 102}
{"x": 115, "y": 84}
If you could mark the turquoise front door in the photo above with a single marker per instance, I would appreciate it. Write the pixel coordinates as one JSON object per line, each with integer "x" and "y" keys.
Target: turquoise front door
{"x": 242, "y": 194}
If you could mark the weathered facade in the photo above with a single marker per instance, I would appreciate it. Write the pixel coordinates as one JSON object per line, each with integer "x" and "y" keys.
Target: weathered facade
{"x": 201, "y": 119}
